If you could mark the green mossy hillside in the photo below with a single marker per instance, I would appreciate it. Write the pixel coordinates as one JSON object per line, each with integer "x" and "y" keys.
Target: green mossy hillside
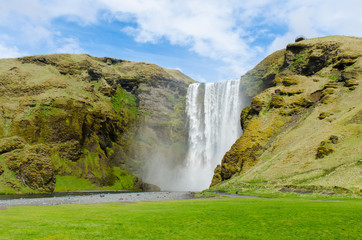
{"x": 303, "y": 131}
{"x": 78, "y": 116}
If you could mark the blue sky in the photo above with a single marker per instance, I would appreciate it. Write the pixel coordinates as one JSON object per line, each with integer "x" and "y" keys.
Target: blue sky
{"x": 209, "y": 40}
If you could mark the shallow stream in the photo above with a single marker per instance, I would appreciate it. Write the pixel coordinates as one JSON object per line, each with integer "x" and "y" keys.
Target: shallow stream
{"x": 89, "y": 197}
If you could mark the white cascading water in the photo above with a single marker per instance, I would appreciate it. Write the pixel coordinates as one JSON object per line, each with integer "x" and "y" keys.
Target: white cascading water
{"x": 213, "y": 112}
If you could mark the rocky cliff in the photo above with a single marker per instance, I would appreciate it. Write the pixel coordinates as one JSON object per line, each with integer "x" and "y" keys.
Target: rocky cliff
{"x": 303, "y": 128}
{"x": 64, "y": 118}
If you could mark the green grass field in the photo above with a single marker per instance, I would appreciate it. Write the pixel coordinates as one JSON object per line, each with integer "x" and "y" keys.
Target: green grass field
{"x": 188, "y": 219}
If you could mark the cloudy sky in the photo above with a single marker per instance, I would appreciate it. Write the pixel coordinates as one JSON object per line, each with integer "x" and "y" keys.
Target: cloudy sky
{"x": 209, "y": 40}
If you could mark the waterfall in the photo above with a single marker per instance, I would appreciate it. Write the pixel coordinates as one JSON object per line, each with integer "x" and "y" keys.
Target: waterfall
{"x": 213, "y": 112}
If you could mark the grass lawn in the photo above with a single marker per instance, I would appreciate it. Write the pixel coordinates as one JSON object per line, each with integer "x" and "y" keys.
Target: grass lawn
{"x": 189, "y": 219}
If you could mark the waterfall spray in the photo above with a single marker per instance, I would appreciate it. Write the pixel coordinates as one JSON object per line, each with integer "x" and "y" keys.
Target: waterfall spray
{"x": 213, "y": 119}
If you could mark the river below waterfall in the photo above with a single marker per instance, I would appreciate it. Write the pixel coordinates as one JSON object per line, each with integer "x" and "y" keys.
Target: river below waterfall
{"x": 99, "y": 197}
{"x": 85, "y": 198}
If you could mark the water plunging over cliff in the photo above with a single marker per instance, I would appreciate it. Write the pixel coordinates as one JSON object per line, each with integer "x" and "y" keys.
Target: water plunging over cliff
{"x": 213, "y": 117}
{"x": 213, "y": 112}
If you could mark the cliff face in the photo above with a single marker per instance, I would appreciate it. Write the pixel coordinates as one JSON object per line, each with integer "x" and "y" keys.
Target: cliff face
{"x": 81, "y": 116}
{"x": 303, "y": 126}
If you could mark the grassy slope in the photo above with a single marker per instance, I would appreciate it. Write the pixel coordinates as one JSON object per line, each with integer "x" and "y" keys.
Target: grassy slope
{"x": 290, "y": 157}
{"x": 191, "y": 219}
{"x": 125, "y": 181}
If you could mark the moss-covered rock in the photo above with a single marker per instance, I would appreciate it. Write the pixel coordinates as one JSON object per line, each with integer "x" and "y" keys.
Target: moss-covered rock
{"x": 290, "y": 92}
{"x": 307, "y": 58}
{"x": 323, "y": 151}
{"x": 334, "y": 139}
{"x": 351, "y": 83}
{"x": 245, "y": 116}
{"x": 257, "y": 104}
{"x": 32, "y": 166}
{"x": 262, "y": 76}
{"x": 148, "y": 187}
{"x": 11, "y": 143}
{"x": 327, "y": 95}
{"x": 324, "y": 115}
{"x": 277, "y": 101}
{"x": 302, "y": 101}
{"x": 331, "y": 84}
{"x": 290, "y": 111}
{"x": 289, "y": 81}
{"x": 217, "y": 178}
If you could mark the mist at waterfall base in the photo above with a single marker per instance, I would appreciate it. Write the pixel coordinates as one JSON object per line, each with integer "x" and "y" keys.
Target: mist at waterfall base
{"x": 213, "y": 118}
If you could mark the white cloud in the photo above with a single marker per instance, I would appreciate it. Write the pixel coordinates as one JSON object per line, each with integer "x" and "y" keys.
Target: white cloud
{"x": 208, "y": 28}
{"x": 228, "y": 30}
{"x": 9, "y": 51}
{"x": 237, "y": 33}
{"x": 39, "y": 12}
{"x": 69, "y": 45}
{"x": 315, "y": 18}
{"x": 29, "y": 23}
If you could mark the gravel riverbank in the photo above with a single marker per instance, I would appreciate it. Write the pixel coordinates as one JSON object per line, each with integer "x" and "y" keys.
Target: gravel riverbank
{"x": 98, "y": 198}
